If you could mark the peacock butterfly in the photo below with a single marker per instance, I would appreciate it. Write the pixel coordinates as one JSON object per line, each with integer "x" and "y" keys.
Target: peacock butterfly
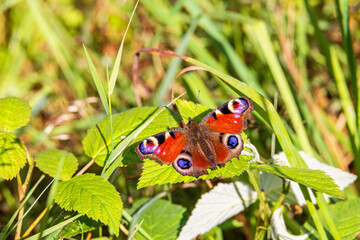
{"x": 215, "y": 140}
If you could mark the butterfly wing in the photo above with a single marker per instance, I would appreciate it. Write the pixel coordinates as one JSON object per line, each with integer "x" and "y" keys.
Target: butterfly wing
{"x": 220, "y": 132}
{"x": 226, "y": 146}
{"x": 177, "y": 148}
{"x": 163, "y": 147}
{"x": 192, "y": 162}
{"x": 231, "y": 117}
{"x": 223, "y": 127}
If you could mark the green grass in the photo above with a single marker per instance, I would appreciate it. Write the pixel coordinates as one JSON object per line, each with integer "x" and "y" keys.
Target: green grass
{"x": 304, "y": 52}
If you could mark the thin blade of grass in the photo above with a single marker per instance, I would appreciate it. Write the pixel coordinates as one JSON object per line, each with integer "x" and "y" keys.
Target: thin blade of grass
{"x": 115, "y": 72}
{"x": 236, "y": 62}
{"x": 268, "y": 50}
{"x": 59, "y": 41}
{"x": 50, "y": 198}
{"x": 4, "y": 232}
{"x": 313, "y": 212}
{"x": 128, "y": 218}
{"x": 97, "y": 82}
{"x": 54, "y": 228}
{"x": 344, "y": 94}
{"x": 342, "y": 12}
{"x": 175, "y": 64}
{"x": 323, "y": 206}
{"x": 135, "y": 218}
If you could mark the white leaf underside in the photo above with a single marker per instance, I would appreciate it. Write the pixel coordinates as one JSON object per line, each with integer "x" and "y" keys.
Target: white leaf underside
{"x": 278, "y": 228}
{"x": 216, "y": 206}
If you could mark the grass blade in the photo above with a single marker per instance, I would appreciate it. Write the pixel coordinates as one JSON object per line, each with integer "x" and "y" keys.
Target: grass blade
{"x": 115, "y": 71}
{"x": 259, "y": 29}
{"x": 4, "y": 232}
{"x": 175, "y": 63}
{"x": 97, "y": 82}
{"x": 54, "y": 228}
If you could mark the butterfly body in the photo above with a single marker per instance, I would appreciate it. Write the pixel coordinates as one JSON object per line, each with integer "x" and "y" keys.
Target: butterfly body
{"x": 193, "y": 150}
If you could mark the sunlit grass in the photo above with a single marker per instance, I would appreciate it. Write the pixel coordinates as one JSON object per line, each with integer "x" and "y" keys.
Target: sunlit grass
{"x": 304, "y": 54}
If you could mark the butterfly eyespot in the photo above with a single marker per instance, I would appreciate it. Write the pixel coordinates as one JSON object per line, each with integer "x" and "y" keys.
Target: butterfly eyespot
{"x": 232, "y": 142}
{"x": 148, "y": 146}
{"x": 184, "y": 163}
{"x": 238, "y": 105}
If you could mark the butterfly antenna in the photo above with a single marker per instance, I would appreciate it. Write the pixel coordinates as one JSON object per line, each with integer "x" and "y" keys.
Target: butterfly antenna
{"x": 197, "y": 101}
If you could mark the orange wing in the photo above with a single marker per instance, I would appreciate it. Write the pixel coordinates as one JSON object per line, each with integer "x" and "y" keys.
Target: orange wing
{"x": 231, "y": 117}
{"x": 163, "y": 147}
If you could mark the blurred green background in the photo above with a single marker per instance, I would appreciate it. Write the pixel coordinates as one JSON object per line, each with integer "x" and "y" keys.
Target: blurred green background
{"x": 43, "y": 62}
{"x": 302, "y": 55}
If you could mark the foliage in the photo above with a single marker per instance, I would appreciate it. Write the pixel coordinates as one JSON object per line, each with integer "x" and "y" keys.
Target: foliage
{"x": 67, "y": 66}
{"x": 14, "y": 113}
{"x": 48, "y": 162}
{"x": 161, "y": 228}
{"x": 346, "y": 217}
{"x": 315, "y": 179}
{"x": 97, "y": 142}
{"x": 93, "y": 196}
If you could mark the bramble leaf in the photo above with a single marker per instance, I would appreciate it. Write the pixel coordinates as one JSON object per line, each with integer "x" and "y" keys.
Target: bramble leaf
{"x": 161, "y": 227}
{"x": 48, "y": 161}
{"x": 81, "y": 225}
{"x": 346, "y": 217}
{"x": 14, "y": 113}
{"x": 97, "y": 140}
{"x": 12, "y": 155}
{"x": 154, "y": 173}
{"x": 272, "y": 184}
{"x": 315, "y": 179}
{"x": 188, "y": 110}
{"x": 93, "y": 196}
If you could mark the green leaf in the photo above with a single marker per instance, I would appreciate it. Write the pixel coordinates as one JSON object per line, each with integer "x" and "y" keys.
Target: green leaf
{"x": 97, "y": 141}
{"x": 161, "y": 227}
{"x": 12, "y": 155}
{"x": 188, "y": 110}
{"x": 346, "y": 217}
{"x": 154, "y": 173}
{"x": 315, "y": 179}
{"x": 81, "y": 225}
{"x": 93, "y": 196}
{"x": 48, "y": 161}
{"x": 14, "y": 113}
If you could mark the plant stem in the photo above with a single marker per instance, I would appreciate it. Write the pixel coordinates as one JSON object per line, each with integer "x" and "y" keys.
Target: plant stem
{"x": 22, "y": 190}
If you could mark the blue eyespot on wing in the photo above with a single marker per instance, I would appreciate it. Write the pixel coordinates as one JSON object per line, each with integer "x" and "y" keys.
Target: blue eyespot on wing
{"x": 239, "y": 106}
{"x": 184, "y": 163}
{"x": 163, "y": 147}
{"x": 232, "y": 142}
{"x": 147, "y": 147}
